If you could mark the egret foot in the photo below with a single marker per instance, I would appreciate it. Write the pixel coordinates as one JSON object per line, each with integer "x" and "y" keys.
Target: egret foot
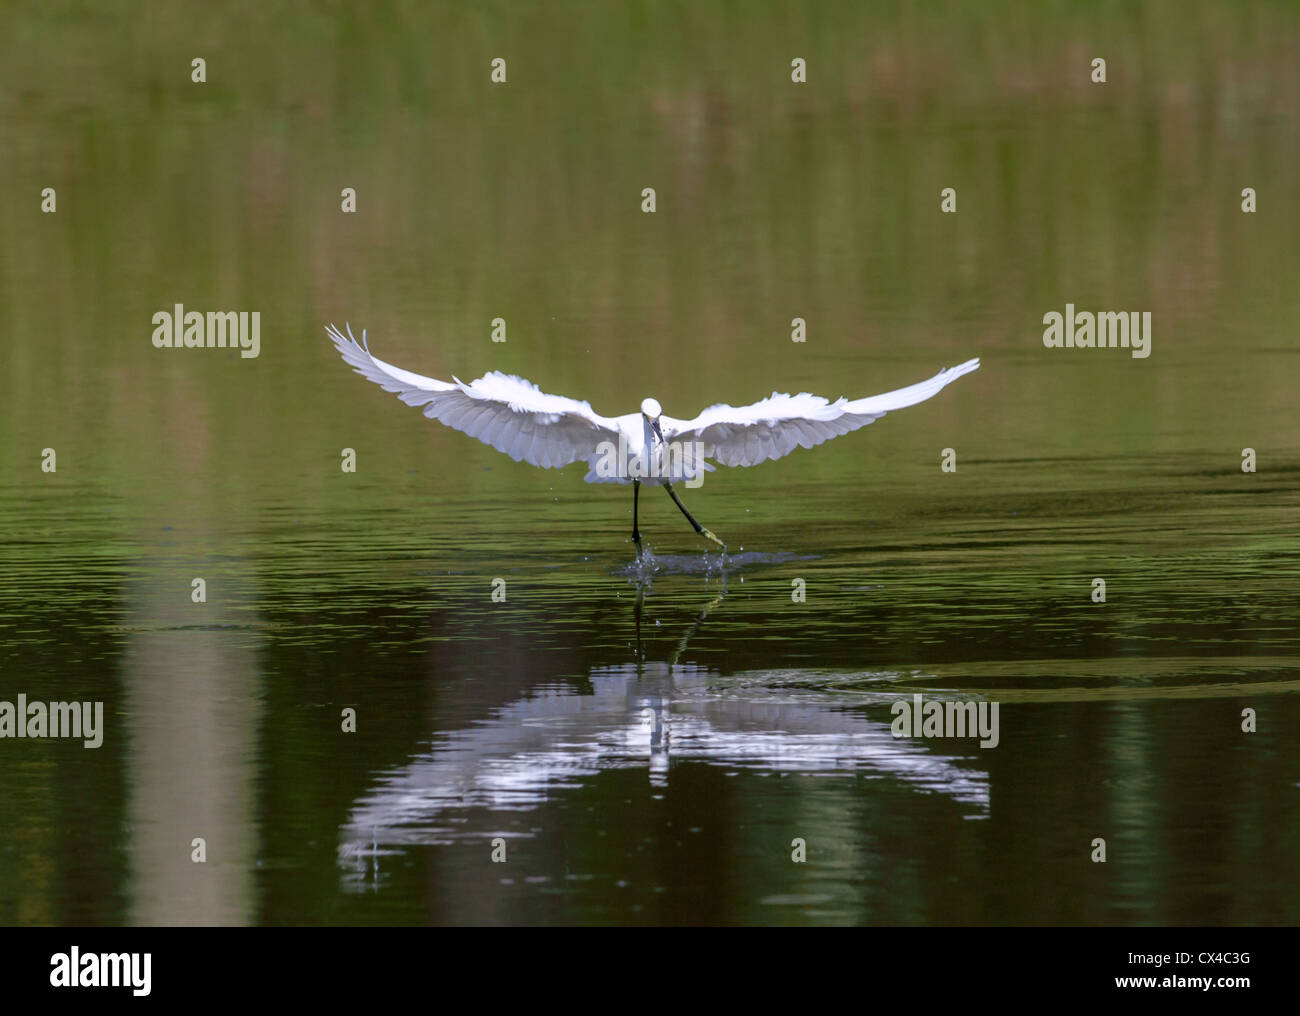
{"x": 709, "y": 535}
{"x": 691, "y": 518}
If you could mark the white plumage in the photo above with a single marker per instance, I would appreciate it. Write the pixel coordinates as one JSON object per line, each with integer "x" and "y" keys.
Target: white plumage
{"x": 514, "y": 416}
{"x": 508, "y": 413}
{"x": 775, "y": 426}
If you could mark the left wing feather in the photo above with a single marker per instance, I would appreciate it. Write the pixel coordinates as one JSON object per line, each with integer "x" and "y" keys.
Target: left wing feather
{"x": 776, "y": 425}
{"x": 510, "y": 414}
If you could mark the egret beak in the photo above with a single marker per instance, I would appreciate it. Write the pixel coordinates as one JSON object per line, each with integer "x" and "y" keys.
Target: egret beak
{"x": 658, "y": 433}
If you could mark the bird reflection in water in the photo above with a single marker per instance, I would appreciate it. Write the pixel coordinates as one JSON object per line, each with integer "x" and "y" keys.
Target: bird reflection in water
{"x": 643, "y": 714}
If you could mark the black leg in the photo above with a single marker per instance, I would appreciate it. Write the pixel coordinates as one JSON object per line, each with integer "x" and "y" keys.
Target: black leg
{"x": 636, "y": 613}
{"x": 690, "y": 518}
{"x": 636, "y": 496}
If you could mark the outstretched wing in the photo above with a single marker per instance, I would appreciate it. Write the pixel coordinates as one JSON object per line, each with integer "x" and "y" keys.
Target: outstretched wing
{"x": 747, "y": 435}
{"x": 507, "y": 412}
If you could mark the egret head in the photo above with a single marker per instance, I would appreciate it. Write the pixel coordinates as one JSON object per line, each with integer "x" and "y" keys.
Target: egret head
{"x": 651, "y": 410}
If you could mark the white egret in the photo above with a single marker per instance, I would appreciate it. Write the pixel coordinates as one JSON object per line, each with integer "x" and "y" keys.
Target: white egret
{"x": 514, "y": 416}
